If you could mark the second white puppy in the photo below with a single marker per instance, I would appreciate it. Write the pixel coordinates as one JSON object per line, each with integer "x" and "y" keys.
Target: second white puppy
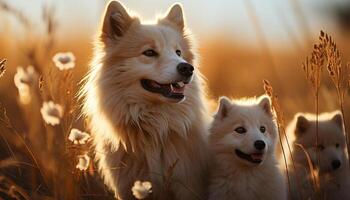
{"x": 243, "y": 139}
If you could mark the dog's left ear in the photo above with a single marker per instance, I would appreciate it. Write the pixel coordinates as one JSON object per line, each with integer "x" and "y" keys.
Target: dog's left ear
{"x": 265, "y": 104}
{"x": 175, "y": 16}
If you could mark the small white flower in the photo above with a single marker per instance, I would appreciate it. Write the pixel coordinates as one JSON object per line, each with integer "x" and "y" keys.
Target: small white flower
{"x": 51, "y": 112}
{"x": 24, "y": 79}
{"x": 141, "y": 190}
{"x": 83, "y": 163}
{"x": 78, "y": 137}
{"x": 64, "y": 61}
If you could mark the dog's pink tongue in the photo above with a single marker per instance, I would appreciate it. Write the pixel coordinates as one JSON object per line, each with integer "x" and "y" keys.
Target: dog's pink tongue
{"x": 178, "y": 90}
{"x": 256, "y": 156}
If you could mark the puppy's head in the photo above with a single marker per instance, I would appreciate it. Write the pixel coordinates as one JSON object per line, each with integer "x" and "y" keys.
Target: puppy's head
{"x": 331, "y": 140}
{"x": 151, "y": 61}
{"x": 244, "y": 129}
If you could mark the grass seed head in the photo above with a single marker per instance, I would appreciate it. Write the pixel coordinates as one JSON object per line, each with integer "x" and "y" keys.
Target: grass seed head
{"x": 2, "y": 67}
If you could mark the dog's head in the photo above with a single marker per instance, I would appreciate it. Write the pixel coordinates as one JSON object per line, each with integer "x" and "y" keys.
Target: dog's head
{"x": 150, "y": 61}
{"x": 245, "y": 129}
{"x": 331, "y": 140}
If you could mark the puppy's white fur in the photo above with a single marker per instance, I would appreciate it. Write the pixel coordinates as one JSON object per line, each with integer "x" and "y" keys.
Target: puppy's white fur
{"x": 334, "y": 183}
{"x": 139, "y": 135}
{"x": 233, "y": 177}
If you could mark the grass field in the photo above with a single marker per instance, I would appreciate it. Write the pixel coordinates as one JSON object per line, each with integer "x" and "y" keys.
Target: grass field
{"x": 38, "y": 160}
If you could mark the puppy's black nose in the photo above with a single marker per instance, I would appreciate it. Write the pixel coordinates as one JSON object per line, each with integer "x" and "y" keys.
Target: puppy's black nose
{"x": 336, "y": 164}
{"x": 185, "y": 69}
{"x": 259, "y": 145}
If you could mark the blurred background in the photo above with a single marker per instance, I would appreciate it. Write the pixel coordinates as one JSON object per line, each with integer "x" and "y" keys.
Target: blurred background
{"x": 239, "y": 44}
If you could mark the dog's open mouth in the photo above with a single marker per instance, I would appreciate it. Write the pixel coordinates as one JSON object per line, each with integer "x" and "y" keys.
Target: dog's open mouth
{"x": 256, "y": 158}
{"x": 170, "y": 90}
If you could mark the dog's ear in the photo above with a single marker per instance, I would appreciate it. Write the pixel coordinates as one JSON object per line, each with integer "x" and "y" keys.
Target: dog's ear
{"x": 175, "y": 16}
{"x": 338, "y": 118}
{"x": 224, "y": 107}
{"x": 265, "y": 104}
{"x": 116, "y": 21}
{"x": 302, "y": 124}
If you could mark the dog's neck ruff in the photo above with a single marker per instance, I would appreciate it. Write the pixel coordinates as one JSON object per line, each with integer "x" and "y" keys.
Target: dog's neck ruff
{"x": 151, "y": 126}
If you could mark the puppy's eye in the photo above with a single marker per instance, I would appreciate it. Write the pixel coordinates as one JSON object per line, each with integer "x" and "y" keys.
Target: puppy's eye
{"x": 320, "y": 147}
{"x": 178, "y": 52}
{"x": 240, "y": 130}
{"x": 337, "y": 145}
{"x": 150, "y": 53}
{"x": 262, "y": 129}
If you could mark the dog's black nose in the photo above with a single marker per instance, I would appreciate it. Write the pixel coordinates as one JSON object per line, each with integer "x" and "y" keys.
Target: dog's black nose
{"x": 336, "y": 164}
{"x": 259, "y": 145}
{"x": 185, "y": 69}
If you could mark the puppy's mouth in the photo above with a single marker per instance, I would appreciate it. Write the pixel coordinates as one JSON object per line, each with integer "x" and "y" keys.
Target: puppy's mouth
{"x": 170, "y": 90}
{"x": 255, "y": 158}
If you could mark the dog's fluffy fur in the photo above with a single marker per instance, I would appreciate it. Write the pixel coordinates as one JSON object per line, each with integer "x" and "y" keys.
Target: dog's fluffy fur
{"x": 334, "y": 182}
{"x": 140, "y": 135}
{"x": 233, "y": 177}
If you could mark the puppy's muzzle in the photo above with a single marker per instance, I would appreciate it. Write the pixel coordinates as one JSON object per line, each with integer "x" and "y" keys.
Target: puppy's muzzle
{"x": 259, "y": 145}
{"x": 336, "y": 164}
{"x": 185, "y": 69}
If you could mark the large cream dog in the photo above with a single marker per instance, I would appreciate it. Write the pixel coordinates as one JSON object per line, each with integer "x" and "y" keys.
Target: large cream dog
{"x": 143, "y": 99}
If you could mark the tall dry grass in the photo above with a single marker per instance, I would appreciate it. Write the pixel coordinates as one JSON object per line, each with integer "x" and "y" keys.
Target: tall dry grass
{"x": 325, "y": 54}
{"x": 38, "y": 161}
{"x": 2, "y": 67}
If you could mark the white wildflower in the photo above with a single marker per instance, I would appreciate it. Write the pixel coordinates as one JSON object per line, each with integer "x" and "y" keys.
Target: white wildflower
{"x": 141, "y": 190}
{"x": 78, "y": 137}
{"x": 64, "y": 61}
{"x": 24, "y": 79}
{"x": 51, "y": 112}
{"x": 83, "y": 163}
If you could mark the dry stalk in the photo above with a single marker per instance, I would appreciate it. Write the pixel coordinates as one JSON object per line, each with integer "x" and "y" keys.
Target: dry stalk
{"x": 9, "y": 188}
{"x": 262, "y": 40}
{"x": 2, "y": 67}
{"x": 348, "y": 70}
{"x": 302, "y": 20}
{"x": 281, "y": 130}
{"x": 314, "y": 176}
{"x": 7, "y": 122}
{"x": 338, "y": 74}
{"x": 312, "y": 68}
{"x": 16, "y": 13}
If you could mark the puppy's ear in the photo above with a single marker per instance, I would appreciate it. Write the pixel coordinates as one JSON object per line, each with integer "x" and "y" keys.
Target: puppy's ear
{"x": 302, "y": 124}
{"x": 224, "y": 107}
{"x": 175, "y": 16}
{"x": 265, "y": 104}
{"x": 338, "y": 119}
{"x": 116, "y": 21}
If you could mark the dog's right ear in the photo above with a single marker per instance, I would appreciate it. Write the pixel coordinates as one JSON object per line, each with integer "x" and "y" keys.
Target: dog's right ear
{"x": 338, "y": 118}
{"x": 175, "y": 15}
{"x": 302, "y": 124}
{"x": 116, "y": 21}
{"x": 224, "y": 107}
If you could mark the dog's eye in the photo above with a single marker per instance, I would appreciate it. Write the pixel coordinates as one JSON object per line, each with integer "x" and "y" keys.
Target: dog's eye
{"x": 150, "y": 53}
{"x": 178, "y": 52}
{"x": 240, "y": 130}
{"x": 262, "y": 129}
{"x": 337, "y": 145}
{"x": 320, "y": 147}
